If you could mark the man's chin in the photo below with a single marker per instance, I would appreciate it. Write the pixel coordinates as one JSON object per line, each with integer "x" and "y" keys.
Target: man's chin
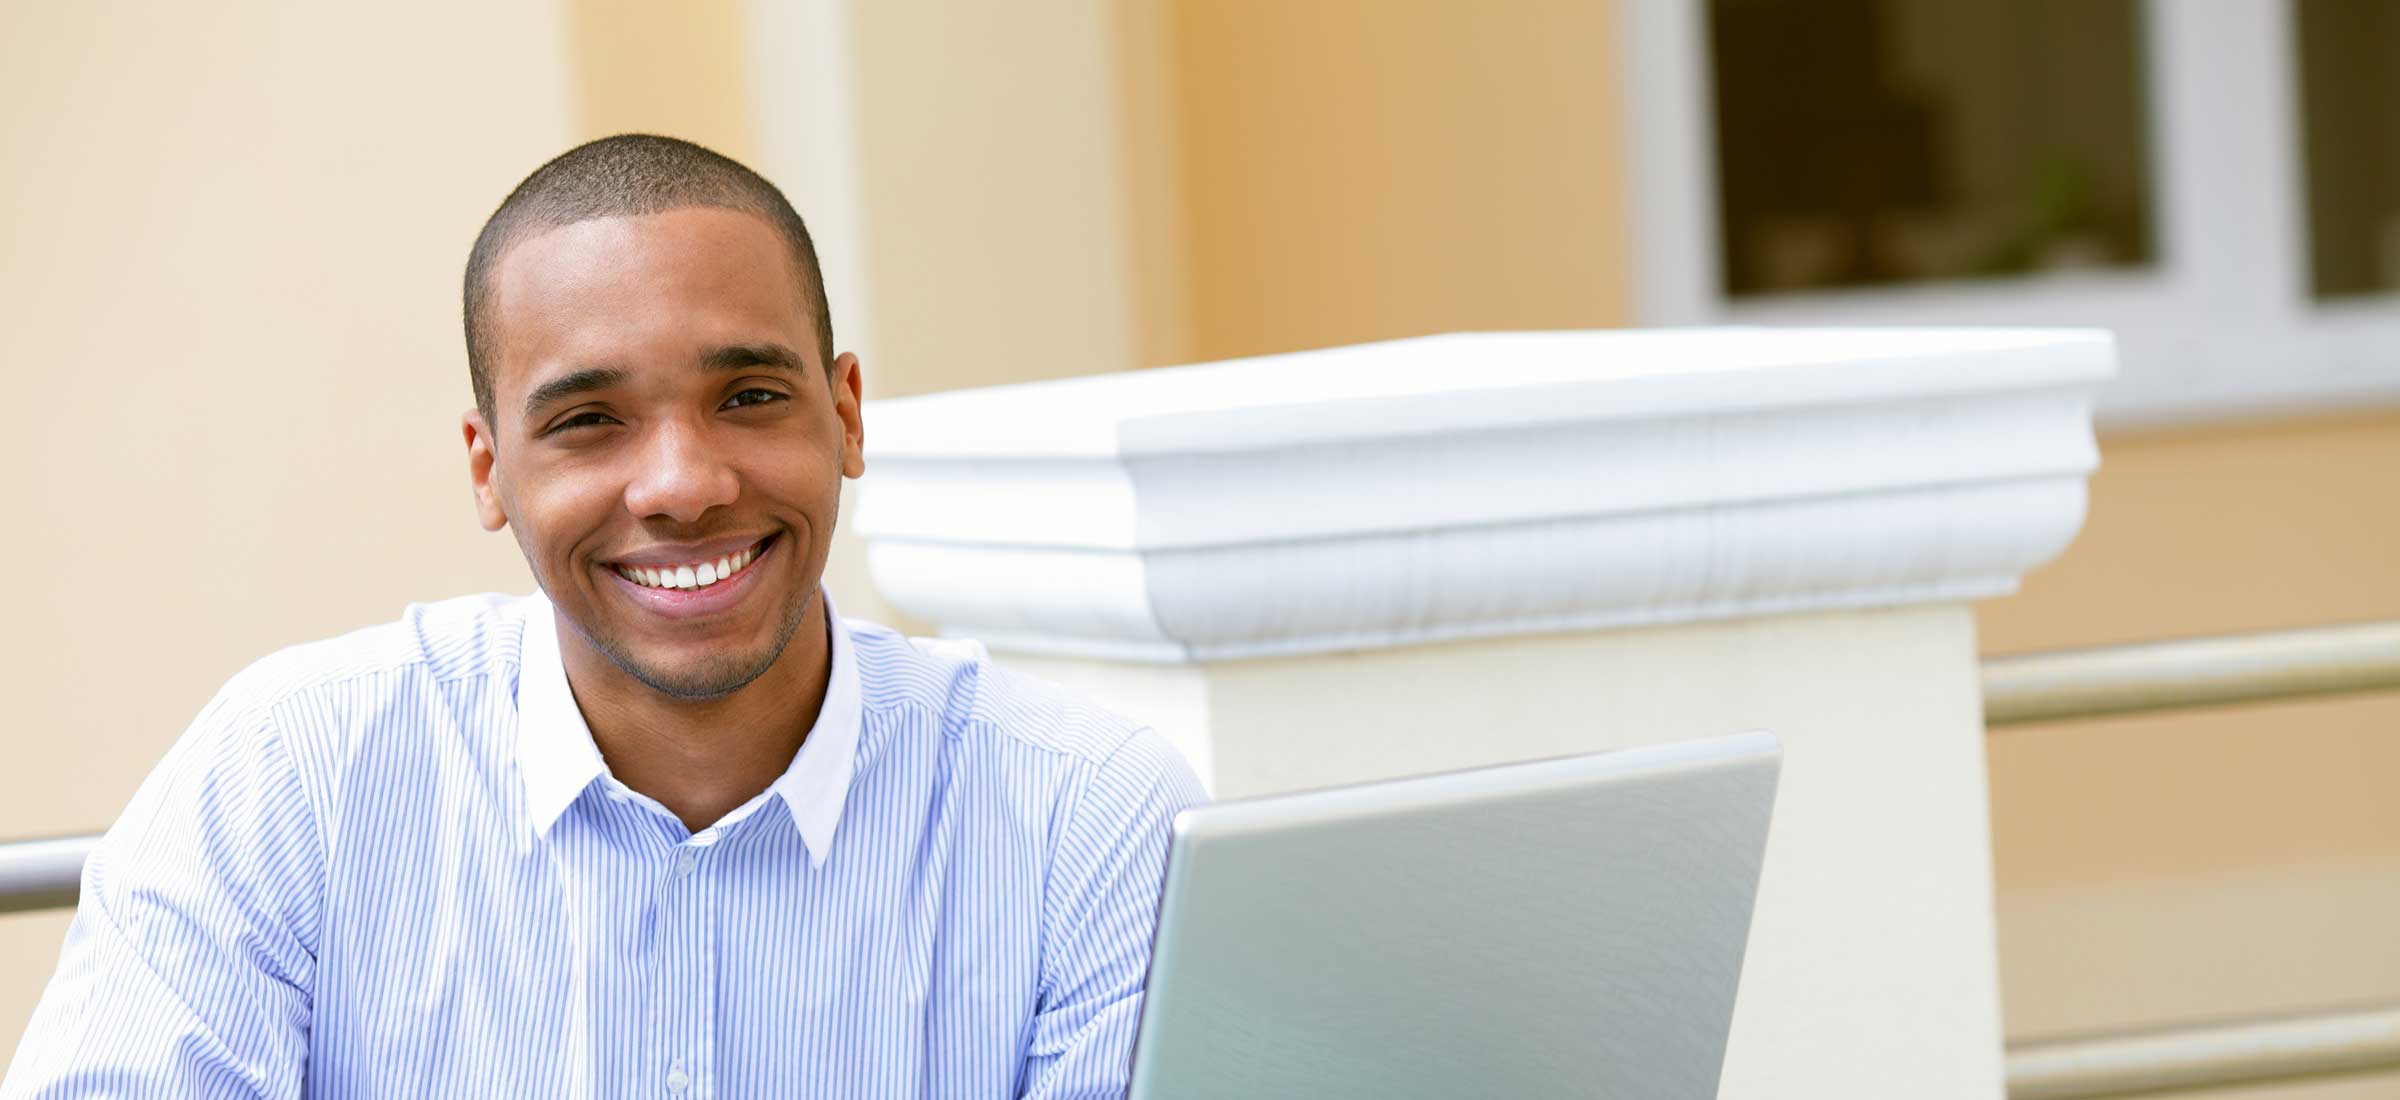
{"x": 697, "y": 680}
{"x": 699, "y": 672}
{"x": 737, "y": 652}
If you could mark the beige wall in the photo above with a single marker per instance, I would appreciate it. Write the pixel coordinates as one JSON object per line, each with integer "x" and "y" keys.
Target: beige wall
{"x": 2209, "y": 532}
{"x": 997, "y": 216}
{"x": 639, "y": 66}
{"x": 2220, "y": 862}
{"x": 234, "y": 234}
{"x": 1071, "y": 186}
{"x": 1353, "y": 170}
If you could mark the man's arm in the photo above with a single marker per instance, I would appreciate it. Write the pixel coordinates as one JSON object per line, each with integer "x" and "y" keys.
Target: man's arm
{"x": 1097, "y": 915}
{"x": 186, "y": 972}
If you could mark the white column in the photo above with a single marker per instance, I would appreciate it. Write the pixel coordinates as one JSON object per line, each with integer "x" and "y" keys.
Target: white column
{"x": 1457, "y": 550}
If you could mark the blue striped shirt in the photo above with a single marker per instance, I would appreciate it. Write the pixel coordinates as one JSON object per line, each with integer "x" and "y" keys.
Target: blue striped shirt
{"x": 394, "y": 864}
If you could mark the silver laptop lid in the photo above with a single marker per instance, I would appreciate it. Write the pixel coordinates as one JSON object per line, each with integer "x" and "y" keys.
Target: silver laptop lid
{"x": 1569, "y": 927}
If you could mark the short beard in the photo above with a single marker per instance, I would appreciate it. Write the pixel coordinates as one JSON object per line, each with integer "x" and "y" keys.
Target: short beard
{"x": 715, "y": 679}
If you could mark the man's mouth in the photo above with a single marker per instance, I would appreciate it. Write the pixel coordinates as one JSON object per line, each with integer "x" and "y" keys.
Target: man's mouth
{"x": 694, "y": 574}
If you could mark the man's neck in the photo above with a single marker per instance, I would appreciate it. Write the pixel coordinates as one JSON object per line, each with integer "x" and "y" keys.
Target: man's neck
{"x": 702, "y": 759}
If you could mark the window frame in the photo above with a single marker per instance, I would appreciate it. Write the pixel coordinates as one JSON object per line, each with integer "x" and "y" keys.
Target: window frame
{"x": 2221, "y": 324}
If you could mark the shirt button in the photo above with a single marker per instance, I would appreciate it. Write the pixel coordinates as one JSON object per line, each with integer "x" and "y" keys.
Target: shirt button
{"x": 685, "y": 864}
{"x": 678, "y": 1080}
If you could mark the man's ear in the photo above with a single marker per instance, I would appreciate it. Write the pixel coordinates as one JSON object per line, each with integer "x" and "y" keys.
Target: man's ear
{"x": 846, "y": 400}
{"x": 479, "y": 471}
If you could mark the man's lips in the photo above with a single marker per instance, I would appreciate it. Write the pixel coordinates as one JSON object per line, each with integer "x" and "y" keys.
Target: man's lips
{"x": 691, "y": 566}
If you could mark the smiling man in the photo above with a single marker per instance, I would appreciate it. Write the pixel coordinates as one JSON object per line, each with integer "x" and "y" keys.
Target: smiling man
{"x": 671, "y": 828}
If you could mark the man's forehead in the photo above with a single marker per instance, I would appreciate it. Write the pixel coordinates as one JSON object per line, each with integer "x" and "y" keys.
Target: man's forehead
{"x": 716, "y": 275}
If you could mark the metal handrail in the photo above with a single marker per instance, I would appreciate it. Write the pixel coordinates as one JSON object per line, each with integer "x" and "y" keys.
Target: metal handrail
{"x": 2197, "y": 672}
{"x": 2216, "y": 1056}
{"x": 42, "y": 874}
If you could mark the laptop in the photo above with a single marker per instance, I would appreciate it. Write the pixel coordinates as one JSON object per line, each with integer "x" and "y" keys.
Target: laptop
{"x": 1562, "y": 928}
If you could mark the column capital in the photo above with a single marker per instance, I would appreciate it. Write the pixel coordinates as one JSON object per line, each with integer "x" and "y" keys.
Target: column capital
{"x": 1483, "y": 484}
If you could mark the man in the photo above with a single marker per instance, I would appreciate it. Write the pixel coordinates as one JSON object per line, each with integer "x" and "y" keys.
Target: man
{"x": 670, "y": 828}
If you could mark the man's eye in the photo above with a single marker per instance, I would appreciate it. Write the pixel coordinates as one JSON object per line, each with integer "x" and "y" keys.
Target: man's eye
{"x": 755, "y": 397}
{"x": 582, "y": 420}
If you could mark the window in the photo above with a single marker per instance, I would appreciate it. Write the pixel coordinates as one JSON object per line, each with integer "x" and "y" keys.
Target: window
{"x": 2349, "y": 58}
{"x": 2218, "y": 183}
{"x": 1871, "y": 142}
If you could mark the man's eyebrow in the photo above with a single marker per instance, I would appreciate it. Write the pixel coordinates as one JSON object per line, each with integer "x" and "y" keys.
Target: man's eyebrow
{"x": 746, "y": 356}
{"x": 568, "y": 385}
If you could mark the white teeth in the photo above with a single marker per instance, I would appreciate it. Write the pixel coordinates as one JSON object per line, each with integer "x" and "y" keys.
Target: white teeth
{"x": 700, "y": 575}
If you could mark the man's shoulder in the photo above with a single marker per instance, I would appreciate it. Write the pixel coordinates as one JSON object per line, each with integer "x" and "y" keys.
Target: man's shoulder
{"x": 430, "y": 642}
{"x": 975, "y": 698}
{"x": 320, "y": 716}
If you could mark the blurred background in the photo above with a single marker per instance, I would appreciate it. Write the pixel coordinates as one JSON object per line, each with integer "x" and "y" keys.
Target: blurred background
{"x": 234, "y": 233}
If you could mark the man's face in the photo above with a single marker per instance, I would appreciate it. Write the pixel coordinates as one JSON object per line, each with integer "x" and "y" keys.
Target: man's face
{"x": 662, "y": 420}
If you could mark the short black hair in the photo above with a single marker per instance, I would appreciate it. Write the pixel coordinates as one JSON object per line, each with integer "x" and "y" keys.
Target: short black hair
{"x": 629, "y": 174}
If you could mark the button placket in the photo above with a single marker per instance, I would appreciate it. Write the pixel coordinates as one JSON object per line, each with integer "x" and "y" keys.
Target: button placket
{"x": 691, "y": 974}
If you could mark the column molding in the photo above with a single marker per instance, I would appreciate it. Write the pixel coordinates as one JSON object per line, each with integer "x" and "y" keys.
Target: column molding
{"x": 1477, "y": 485}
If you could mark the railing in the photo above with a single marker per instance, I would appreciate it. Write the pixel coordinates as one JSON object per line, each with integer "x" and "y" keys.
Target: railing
{"x": 2244, "y": 1053}
{"x": 42, "y": 874}
{"x": 2198, "y": 672}
{"x": 2042, "y": 687}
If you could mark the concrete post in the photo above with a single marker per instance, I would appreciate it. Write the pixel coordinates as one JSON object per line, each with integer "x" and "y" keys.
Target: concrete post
{"x": 1436, "y": 553}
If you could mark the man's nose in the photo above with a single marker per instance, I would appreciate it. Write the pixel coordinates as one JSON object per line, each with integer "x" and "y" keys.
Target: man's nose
{"x": 680, "y": 475}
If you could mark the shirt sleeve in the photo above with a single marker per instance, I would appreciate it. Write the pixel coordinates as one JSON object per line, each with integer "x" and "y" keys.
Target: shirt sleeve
{"x": 1098, "y": 914}
{"x": 187, "y": 968}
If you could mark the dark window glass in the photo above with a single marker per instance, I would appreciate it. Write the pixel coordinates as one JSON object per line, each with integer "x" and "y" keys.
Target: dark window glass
{"x": 2350, "y": 122}
{"x": 1873, "y": 142}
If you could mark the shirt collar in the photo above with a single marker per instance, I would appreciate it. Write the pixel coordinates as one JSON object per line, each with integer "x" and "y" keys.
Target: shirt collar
{"x": 558, "y": 758}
